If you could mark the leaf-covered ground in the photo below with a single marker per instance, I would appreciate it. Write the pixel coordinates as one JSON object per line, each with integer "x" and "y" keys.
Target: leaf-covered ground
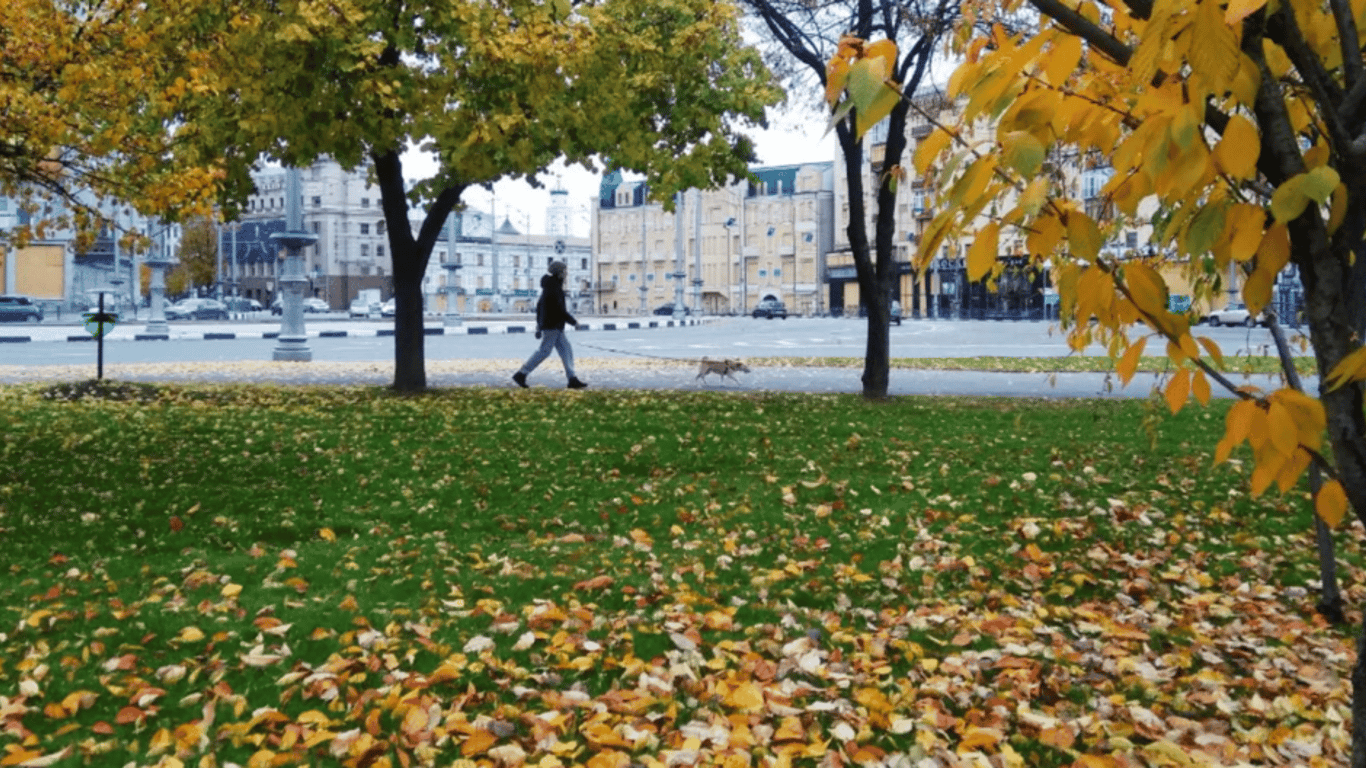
{"x": 198, "y": 575}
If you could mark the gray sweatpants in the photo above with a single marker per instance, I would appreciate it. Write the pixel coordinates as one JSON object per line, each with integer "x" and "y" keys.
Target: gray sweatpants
{"x": 551, "y": 340}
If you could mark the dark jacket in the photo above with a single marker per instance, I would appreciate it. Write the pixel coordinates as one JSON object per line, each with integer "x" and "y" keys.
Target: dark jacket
{"x": 551, "y": 314}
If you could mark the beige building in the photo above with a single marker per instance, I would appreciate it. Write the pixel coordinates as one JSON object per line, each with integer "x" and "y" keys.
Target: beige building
{"x": 720, "y": 251}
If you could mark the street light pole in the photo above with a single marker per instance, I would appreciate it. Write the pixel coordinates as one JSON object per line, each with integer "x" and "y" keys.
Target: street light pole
{"x": 292, "y": 343}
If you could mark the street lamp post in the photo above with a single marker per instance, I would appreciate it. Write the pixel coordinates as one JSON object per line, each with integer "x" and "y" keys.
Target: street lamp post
{"x": 156, "y": 320}
{"x": 452, "y": 267}
{"x": 292, "y": 343}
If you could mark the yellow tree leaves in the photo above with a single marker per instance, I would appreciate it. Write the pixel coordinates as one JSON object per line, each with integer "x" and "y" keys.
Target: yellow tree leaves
{"x": 94, "y": 101}
{"x": 863, "y": 72}
{"x": 982, "y": 253}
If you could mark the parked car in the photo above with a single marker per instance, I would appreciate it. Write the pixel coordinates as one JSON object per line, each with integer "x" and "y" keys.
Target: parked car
{"x": 388, "y": 308}
{"x": 363, "y": 308}
{"x": 242, "y": 304}
{"x": 1235, "y": 314}
{"x": 668, "y": 309}
{"x": 896, "y": 312}
{"x": 770, "y": 308}
{"x": 316, "y": 305}
{"x": 197, "y": 309}
{"x": 19, "y": 309}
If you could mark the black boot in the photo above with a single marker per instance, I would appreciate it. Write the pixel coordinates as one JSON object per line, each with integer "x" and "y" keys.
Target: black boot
{"x": 574, "y": 383}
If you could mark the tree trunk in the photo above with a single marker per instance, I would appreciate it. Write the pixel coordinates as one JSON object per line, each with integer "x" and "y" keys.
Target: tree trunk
{"x": 410, "y": 257}
{"x": 1330, "y": 597}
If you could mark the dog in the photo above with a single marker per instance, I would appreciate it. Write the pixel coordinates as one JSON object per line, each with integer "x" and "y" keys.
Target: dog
{"x": 723, "y": 367}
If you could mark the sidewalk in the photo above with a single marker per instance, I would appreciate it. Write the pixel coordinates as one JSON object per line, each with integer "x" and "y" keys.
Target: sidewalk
{"x": 268, "y": 327}
{"x": 601, "y": 373}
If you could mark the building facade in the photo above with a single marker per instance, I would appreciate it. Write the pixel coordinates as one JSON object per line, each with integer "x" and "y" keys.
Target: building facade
{"x": 499, "y": 271}
{"x": 719, "y": 251}
{"x": 499, "y": 268}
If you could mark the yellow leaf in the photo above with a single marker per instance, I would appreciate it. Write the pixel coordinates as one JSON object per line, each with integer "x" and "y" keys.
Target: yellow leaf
{"x": 1200, "y": 388}
{"x": 1243, "y": 226}
{"x": 1045, "y": 234}
{"x": 1213, "y": 349}
{"x": 884, "y": 50}
{"x": 1320, "y": 183}
{"x": 929, "y": 148}
{"x": 1034, "y": 196}
{"x": 1239, "y": 148}
{"x": 1063, "y": 59}
{"x": 1241, "y": 9}
{"x": 836, "y": 74}
{"x": 1213, "y": 48}
{"x": 1178, "y": 390}
{"x": 1338, "y": 211}
{"x": 1274, "y": 251}
{"x": 1147, "y": 288}
{"x": 1284, "y": 434}
{"x": 1083, "y": 236}
{"x": 973, "y": 182}
{"x": 982, "y": 254}
{"x": 1023, "y": 152}
{"x": 1292, "y": 469}
{"x": 1331, "y": 503}
{"x": 1349, "y": 368}
{"x": 1129, "y": 362}
{"x": 477, "y": 742}
{"x": 231, "y": 590}
{"x": 327, "y": 534}
{"x": 870, "y": 114}
{"x": 1289, "y": 200}
{"x": 746, "y": 696}
{"x": 190, "y": 635}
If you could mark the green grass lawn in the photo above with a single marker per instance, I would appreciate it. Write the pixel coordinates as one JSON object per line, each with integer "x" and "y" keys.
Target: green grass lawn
{"x": 260, "y": 575}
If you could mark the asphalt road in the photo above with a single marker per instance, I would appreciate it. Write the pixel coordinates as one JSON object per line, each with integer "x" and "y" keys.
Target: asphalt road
{"x": 645, "y": 357}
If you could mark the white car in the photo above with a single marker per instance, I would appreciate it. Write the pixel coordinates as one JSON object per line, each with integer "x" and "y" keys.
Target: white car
{"x": 1235, "y": 314}
{"x": 363, "y": 308}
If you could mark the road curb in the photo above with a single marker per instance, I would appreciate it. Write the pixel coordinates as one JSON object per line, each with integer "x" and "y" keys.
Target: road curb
{"x": 430, "y": 330}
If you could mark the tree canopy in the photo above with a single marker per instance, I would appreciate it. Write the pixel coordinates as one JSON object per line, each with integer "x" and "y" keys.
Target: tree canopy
{"x": 491, "y": 90}
{"x": 92, "y": 100}
{"x": 1238, "y": 130}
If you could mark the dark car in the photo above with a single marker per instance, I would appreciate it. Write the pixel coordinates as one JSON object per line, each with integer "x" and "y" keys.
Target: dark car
{"x": 770, "y": 308}
{"x": 310, "y": 306}
{"x": 19, "y": 309}
{"x": 197, "y": 309}
{"x": 242, "y": 304}
{"x": 668, "y": 309}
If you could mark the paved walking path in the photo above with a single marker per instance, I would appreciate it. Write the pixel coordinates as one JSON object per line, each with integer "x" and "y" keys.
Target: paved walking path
{"x": 606, "y": 373}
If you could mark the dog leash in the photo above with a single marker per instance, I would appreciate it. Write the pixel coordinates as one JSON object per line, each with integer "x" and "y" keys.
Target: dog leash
{"x": 642, "y": 354}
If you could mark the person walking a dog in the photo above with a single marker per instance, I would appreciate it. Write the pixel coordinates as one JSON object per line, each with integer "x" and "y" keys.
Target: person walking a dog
{"x": 551, "y": 317}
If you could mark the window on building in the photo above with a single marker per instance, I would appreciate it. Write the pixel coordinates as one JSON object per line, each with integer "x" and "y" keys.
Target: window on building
{"x": 481, "y": 259}
{"x": 364, "y": 228}
{"x": 1131, "y": 239}
{"x": 379, "y": 227}
{"x": 317, "y": 201}
{"x": 516, "y": 261}
{"x": 379, "y": 251}
{"x": 583, "y": 264}
{"x": 365, "y": 202}
{"x": 365, "y": 250}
